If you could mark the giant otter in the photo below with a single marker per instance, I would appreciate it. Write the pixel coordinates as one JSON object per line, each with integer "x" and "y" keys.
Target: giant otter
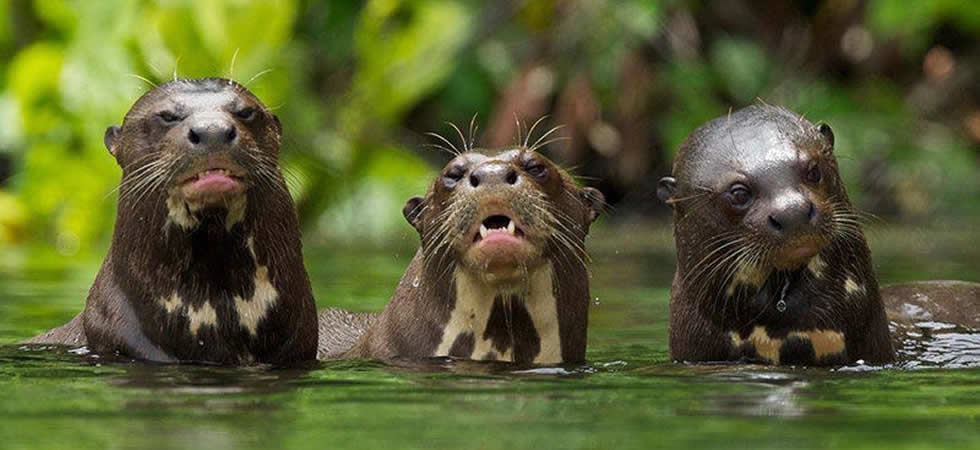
{"x": 772, "y": 263}
{"x": 205, "y": 263}
{"x": 500, "y": 275}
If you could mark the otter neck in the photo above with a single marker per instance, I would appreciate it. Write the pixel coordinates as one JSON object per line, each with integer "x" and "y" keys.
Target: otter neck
{"x": 201, "y": 289}
{"x": 503, "y": 324}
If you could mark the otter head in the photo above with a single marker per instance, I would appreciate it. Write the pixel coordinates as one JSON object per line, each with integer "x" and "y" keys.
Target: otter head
{"x": 197, "y": 146}
{"x": 755, "y": 192}
{"x": 498, "y": 215}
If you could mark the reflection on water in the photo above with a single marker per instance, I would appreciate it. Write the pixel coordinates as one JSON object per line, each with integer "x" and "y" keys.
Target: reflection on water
{"x": 629, "y": 394}
{"x": 777, "y": 397}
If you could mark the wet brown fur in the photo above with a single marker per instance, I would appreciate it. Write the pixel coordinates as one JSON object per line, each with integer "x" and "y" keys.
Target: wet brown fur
{"x": 412, "y": 324}
{"x": 151, "y": 257}
{"x": 707, "y": 324}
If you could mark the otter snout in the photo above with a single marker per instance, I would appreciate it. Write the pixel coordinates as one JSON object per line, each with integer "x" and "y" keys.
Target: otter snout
{"x": 794, "y": 222}
{"x": 210, "y": 131}
{"x": 493, "y": 175}
{"x": 791, "y": 213}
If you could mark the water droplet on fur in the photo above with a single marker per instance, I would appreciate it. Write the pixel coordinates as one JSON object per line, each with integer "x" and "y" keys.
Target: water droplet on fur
{"x": 596, "y": 301}
{"x": 781, "y": 305}
{"x": 415, "y": 282}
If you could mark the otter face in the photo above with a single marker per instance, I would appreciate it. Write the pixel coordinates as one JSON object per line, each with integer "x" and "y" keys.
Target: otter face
{"x": 196, "y": 141}
{"x": 768, "y": 186}
{"x": 500, "y": 216}
{"x": 776, "y": 191}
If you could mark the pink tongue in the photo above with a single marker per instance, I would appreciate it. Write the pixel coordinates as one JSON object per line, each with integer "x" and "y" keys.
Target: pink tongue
{"x": 215, "y": 182}
{"x": 499, "y": 236}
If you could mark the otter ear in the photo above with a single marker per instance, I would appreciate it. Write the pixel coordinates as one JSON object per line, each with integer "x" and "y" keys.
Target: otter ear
{"x": 827, "y": 133}
{"x": 111, "y": 134}
{"x": 413, "y": 212}
{"x": 665, "y": 189}
{"x": 595, "y": 201}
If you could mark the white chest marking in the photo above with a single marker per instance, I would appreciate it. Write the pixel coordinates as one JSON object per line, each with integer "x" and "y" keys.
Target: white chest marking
{"x": 252, "y": 311}
{"x": 474, "y": 302}
{"x": 817, "y": 266}
{"x": 852, "y": 287}
{"x": 182, "y": 212}
{"x": 748, "y": 274}
{"x": 202, "y": 316}
{"x": 178, "y": 212}
{"x": 171, "y": 303}
{"x": 824, "y": 342}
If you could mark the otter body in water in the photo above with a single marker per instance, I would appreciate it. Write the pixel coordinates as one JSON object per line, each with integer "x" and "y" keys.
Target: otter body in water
{"x": 772, "y": 263}
{"x": 205, "y": 262}
{"x": 500, "y": 274}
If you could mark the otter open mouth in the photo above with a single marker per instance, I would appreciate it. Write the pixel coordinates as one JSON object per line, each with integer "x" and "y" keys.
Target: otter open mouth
{"x": 498, "y": 225}
{"x": 211, "y": 181}
{"x": 213, "y": 176}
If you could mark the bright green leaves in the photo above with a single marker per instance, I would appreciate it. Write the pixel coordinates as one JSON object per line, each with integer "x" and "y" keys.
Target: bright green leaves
{"x": 404, "y": 49}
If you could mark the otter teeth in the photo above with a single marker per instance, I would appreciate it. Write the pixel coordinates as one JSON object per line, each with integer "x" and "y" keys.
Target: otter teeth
{"x": 223, "y": 172}
{"x": 511, "y": 228}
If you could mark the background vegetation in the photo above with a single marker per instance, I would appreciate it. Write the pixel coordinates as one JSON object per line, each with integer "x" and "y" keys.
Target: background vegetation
{"x": 357, "y": 84}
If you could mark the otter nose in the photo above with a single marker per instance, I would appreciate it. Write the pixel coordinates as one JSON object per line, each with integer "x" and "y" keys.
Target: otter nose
{"x": 792, "y": 214}
{"x": 493, "y": 175}
{"x": 204, "y": 133}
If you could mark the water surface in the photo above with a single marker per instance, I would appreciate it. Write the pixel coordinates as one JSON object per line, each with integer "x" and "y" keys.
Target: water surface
{"x": 629, "y": 395}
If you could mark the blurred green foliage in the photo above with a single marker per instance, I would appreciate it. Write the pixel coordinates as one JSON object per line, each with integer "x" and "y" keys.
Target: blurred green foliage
{"x": 356, "y": 84}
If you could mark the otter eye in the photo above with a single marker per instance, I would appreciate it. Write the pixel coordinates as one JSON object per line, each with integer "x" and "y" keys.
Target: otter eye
{"x": 453, "y": 175}
{"x": 245, "y": 114}
{"x": 813, "y": 173}
{"x": 739, "y": 196}
{"x": 536, "y": 169}
{"x": 168, "y": 117}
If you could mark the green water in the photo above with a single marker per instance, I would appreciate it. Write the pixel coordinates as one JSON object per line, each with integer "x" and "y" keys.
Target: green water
{"x": 629, "y": 395}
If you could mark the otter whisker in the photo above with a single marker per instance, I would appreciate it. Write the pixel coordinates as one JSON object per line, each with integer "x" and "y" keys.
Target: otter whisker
{"x": 715, "y": 252}
{"x": 537, "y": 147}
{"x": 257, "y": 76}
{"x": 473, "y": 129}
{"x": 738, "y": 259}
{"x": 176, "y": 62}
{"x": 142, "y": 78}
{"x": 455, "y": 151}
{"x": 765, "y": 307}
{"x": 441, "y": 147}
{"x": 140, "y": 179}
{"x": 530, "y": 132}
{"x": 231, "y": 67}
{"x": 541, "y": 142}
{"x": 462, "y": 138}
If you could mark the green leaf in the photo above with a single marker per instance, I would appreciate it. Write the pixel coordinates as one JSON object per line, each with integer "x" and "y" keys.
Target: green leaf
{"x": 741, "y": 67}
